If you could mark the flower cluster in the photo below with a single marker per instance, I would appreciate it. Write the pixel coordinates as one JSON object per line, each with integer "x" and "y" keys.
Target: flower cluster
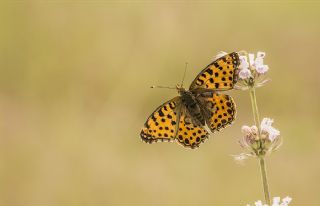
{"x": 276, "y": 202}
{"x": 259, "y": 143}
{"x": 262, "y": 138}
{"x": 252, "y": 70}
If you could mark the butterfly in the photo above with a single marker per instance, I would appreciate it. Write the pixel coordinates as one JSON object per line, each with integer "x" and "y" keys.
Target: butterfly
{"x": 188, "y": 117}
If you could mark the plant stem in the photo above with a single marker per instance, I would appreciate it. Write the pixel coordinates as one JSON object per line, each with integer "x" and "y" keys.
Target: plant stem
{"x": 261, "y": 153}
{"x": 255, "y": 107}
{"x": 264, "y": 179}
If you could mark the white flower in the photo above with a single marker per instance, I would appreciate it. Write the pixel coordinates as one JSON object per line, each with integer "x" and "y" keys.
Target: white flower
{"x": 276, "y": 202}
{"x": 245, "y": 73}
{"x": 246, "y": 129}
{"x": 262, "y": 69}
{"x": 255, "y": 143}
{"x": 249, "y": 132}
{"x": 255, "y": 63}
{"x": 258, "y": 62}
{"x": 266, "y": 126}
{"x": 251, "y": 59}
{"x": 266, "y": 122}
{"x": 243, "y": 63}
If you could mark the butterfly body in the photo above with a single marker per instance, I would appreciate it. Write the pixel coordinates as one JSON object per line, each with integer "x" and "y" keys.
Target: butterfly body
{"x": 185, "y": 117}
{"x": 193, "y": 109}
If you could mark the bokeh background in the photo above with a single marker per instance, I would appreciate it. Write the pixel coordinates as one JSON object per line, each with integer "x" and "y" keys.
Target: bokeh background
{"x": 74, "y": 94}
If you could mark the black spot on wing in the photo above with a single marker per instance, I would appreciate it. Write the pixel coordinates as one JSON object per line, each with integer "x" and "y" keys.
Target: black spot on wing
{"x": 161, "y": 114}
{"x": 210, "y": 71}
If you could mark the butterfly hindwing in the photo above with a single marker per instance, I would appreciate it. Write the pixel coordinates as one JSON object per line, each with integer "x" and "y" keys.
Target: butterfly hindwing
{"x": 190, "y": 135}
{"x": 219, "y": 75}
{"x": 222, "y": 109}
{"x": 162, "y": 123}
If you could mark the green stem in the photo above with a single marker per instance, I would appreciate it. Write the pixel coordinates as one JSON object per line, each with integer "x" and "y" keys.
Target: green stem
{"x": 261, "y": 153}
{"x": 255, "y": 107}
{"x": 264, "y": 179}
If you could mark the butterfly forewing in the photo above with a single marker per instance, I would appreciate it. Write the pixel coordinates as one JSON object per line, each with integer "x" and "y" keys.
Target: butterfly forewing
{"x": 219, "y": 75}
{"x": 162, "y": 123}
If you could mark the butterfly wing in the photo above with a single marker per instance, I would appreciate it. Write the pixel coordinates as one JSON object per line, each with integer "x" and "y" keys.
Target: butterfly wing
{"x": 162, "y": 123}
{"x": 189, "y": 134}
{"x": 171, "y": 121}
{"x": 219, "y": 75}
{"x": 220, "y": 108}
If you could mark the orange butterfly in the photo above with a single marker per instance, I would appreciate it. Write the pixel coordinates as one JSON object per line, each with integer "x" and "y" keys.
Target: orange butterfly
{"x": 184, "y": 117}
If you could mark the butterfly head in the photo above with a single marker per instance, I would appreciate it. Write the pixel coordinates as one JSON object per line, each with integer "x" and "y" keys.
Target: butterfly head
{"x": 180, "y": 89}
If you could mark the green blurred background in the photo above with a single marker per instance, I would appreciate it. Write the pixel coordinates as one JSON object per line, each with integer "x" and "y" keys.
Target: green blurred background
{"x": 74, "y": 94}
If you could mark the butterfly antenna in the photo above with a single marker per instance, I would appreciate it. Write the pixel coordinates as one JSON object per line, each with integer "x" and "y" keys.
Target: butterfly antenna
{"x": 184, "y": 74}
{"x": 162, "y": 87}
